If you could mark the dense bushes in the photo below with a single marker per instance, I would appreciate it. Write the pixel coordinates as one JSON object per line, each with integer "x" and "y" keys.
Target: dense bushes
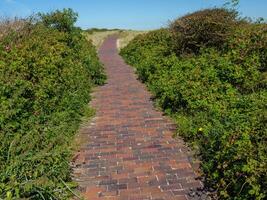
{"x": 205, "y": 28}
{"x": 46, "y": 72}
{"x": 156, "y": 42}
{"x": 217, "y": 96}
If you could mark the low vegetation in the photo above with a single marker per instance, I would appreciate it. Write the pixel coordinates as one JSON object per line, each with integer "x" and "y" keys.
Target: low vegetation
{"x": 47, "y": 70}
{"x": 97, "y": 36}
{"x": 208, "y": 71}
{"x": 95, "y": 30}
{"x": 126, "y": 36}
{"x": 8, "y": 25}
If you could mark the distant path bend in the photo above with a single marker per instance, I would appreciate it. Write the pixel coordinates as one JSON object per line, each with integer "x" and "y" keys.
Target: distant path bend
{"x": 128, "y": 151}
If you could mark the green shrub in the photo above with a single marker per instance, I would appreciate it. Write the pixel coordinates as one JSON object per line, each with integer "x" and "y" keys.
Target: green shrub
{"x": 250, "y": 39}
{"x": 205, "y": 28}
{"x": 218, "y": 98}
{"x": 228, "y": 127}
{"x": 157, "y": 42}
{"x": 61, "y": 20}
{"x": 46, "y": 74}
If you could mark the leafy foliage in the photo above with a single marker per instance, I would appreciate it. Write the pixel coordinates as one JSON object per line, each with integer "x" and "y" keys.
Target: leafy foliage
{"x": 61, "y": 20}
{"x": 218, "y": 98}
{"x": 156, "y": 42}
{"x": 205, "y": 28}
{"x": 46, "y": 72}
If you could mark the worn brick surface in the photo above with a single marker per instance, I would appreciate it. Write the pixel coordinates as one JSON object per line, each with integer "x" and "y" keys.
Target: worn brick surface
{"x": 128, "y": 152}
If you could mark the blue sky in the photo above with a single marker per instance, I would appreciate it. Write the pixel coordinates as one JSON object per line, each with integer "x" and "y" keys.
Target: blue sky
{"x": 127, "y": 14}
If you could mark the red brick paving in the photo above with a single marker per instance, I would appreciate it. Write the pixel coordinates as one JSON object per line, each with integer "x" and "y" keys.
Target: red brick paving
{"x": 129, "y": 152}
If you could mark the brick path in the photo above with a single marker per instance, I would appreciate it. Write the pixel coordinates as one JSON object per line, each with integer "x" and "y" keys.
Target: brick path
{"x": 128, "y": 151}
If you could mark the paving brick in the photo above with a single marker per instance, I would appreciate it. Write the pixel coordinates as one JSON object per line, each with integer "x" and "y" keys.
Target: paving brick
{"x": 92, "y": 192}
{"x": 128, "y": 151}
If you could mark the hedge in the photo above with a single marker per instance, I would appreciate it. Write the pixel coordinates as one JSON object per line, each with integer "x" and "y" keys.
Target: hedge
{"x": 218, "y": 98}
{"x": 47, "y": 70}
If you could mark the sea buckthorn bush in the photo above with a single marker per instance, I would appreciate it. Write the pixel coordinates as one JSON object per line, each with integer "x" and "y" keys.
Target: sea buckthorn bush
{"x": 218, "y": 98}
{"x": 204, "y": 28}
{"x": 47, "y": 70}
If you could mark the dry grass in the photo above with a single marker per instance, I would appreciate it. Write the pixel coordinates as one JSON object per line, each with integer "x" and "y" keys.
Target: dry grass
{"x": 125, "y": 36}
{"x": 98, "y": 37}
{"x": 8, "y": 25}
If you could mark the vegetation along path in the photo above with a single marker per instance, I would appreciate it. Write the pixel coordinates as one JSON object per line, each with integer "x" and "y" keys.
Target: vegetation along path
{"x": 129, "y": 152}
